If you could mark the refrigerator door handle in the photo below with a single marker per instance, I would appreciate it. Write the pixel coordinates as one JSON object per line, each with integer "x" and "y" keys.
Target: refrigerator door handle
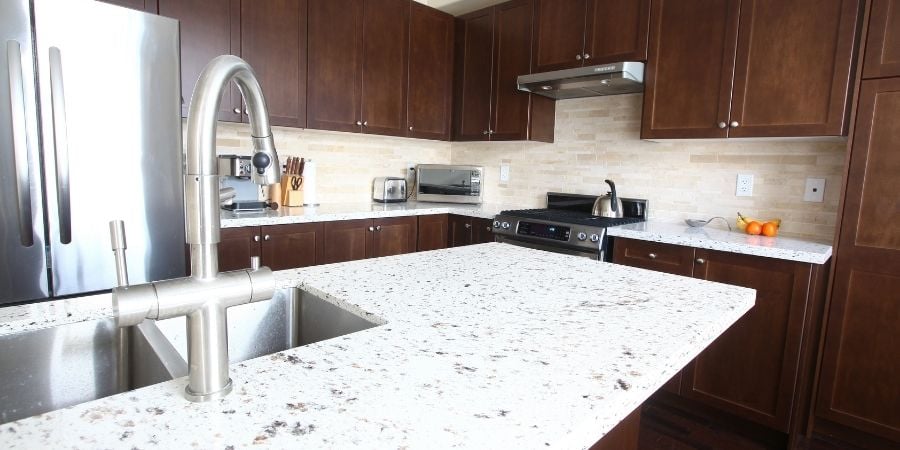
{"x": 60, "y": 145}
{"x": 20, "y": 141}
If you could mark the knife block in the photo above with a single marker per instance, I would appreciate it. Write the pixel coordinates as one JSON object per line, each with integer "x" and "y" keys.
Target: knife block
{"x": 291, "y": 196}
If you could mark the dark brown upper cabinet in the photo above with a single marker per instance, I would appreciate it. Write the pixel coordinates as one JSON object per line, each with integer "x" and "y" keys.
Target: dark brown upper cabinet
{"x": 575, "y": 33}
{"x": 883, "y": 44}
{"x": 150, "y": 6}
{"x": 209, "y": 28}
{"x": 751, "y": 68}
{"x": 493, "y": 47}
{"x": 358, "y": 59}
{"x": 273, "y": 42}
{"x": 430, "y": 99}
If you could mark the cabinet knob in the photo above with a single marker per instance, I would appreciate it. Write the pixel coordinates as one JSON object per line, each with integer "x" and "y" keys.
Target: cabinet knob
{"x": 700, "y": 261}
{"x": 358, "y": 123}
{"x": 578, "y": 57}
{"x": 468, "y": 225}
{"x": 366, "y": 123}
{"x": 722, "y": 125}
{"x": 255, "y": 238}
{"x": 734, "y": 124}
{"x": 485, "y": 132}
{"x": 267, "y": 238}
{"x": 652, "y": 256}
{"x": 587, "y": 56}
{"x": 410, "y": 128}
{"x": 237, "y": 110}
{"x": 488, "y": 228}
{"x": 490, "y": 131}
{"x": 378, "y": 228}
{"x": 371, "y": 228}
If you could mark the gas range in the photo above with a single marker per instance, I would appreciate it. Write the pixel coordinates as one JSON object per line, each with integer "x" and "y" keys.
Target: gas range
{"x": 566, "y": 225}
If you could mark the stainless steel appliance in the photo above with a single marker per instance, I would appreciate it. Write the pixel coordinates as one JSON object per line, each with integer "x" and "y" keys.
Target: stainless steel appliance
{"x": 90, "y": 131}
{"x": 449, "y": 183}
{"x": 591, "y": 81}
{"x": 609, "y": 205}
{"x": 566, "y": 225}
{"x": 389, "y": 190}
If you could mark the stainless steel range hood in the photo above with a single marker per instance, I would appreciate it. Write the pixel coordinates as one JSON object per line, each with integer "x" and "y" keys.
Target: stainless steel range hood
{"x": 591, "y": 81}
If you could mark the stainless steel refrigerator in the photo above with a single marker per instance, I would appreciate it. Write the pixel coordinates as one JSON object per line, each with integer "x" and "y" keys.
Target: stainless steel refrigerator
{"x": 90, "y": 131}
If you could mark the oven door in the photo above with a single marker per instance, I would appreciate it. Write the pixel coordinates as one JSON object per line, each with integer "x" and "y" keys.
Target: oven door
{"x": 549, "y": 248}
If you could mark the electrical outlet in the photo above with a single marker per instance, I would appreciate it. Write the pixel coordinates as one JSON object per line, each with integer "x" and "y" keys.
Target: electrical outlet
{"x": 815, "y": 190}
{"x": 504, "y": 173}
{"x": 744, "y": 187}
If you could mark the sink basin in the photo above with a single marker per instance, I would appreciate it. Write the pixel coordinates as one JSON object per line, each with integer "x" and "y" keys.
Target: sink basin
{"x": 48, "y": 369}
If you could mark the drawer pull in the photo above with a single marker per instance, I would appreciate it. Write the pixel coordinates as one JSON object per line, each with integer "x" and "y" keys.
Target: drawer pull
{"x": 700, "y": 261}
{"x": 652, "y": 256}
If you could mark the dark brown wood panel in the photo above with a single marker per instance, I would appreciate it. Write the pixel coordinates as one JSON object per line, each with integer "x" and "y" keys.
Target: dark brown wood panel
{"x": 883, "y": 43}
{"x": 751, "y": 370}
{"x": 512, "y": 57}
{"x": 482, "y": 230}
{"x": 334, "y": 92}
{"x": 290, "y": 246}
{"x": 460, "y": 231}
{"x": 433, "y": 232}
{"x": 395, "y": 236}
{"x": 616, "y": 31}
{"x": 623, "y": 436}
{"x": 689, "y": 69}
{"x": 667, "y": 258}
{"x": 237, "y": 246}
{"x": 385, "y": 66}
{"x": 345, "y": 240}
{"x": 789, "y": 79}
{"x": 542, "y": 124}
{"x": 860, "y": 367}
{"x": 150, "y": 6}
{"x": 430, "y": 73}
{"x": 273, "y": 42}
{"x": 559, "y": 34}
{"x": 472, "y": 82}
{"x": 209, "y": 28}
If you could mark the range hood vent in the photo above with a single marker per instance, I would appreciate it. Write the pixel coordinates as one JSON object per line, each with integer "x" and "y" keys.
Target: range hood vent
{"x": 591, "y": 81}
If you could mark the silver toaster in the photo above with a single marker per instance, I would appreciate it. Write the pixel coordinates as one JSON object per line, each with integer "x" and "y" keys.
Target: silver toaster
{"x": 389, "y": 190}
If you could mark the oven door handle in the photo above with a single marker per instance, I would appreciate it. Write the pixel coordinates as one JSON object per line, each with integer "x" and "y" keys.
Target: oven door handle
{"x": 548, "y": 248}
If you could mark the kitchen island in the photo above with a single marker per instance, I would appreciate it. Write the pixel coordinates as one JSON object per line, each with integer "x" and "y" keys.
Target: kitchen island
{"x": 487, "y": 346}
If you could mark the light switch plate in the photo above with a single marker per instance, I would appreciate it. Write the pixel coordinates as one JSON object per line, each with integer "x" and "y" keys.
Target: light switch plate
{"x": 815, "y": 190}
{"x": 744, "y": 186}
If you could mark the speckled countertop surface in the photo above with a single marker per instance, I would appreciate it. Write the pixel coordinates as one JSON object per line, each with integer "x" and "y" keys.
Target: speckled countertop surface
{"x": 552, "y": 354}
{"x": 727, "y": 241}
{"x": 349, "y": 211}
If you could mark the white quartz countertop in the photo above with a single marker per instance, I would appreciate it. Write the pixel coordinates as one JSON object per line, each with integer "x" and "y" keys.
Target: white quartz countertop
{"x": 786, "y": 248}
{"x": 551, "y": 354}
{"x": 349, "y": 211}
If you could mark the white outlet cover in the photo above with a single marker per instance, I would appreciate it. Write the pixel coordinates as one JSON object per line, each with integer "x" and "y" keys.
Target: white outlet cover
{"x": 815, "y": 190}
{"x": 744, "y": 185}
{"x": 504, "y": 173}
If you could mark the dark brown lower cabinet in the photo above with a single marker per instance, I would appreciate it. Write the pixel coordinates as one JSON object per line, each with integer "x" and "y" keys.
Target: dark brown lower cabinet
{"x": 350, "y": 240}
{"x": 624, "y": 436}
{"x": 237, "y": 246}
{"x": 433, "y": 232}
{"x": 394, "y": 236}
{"x": 760, "y": 369}
{"x": 466, "y": 230}
{"x": 279, "y": 247}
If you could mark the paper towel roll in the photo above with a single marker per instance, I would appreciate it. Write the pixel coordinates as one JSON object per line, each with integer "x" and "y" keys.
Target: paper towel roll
{"x": 310, "y": 196}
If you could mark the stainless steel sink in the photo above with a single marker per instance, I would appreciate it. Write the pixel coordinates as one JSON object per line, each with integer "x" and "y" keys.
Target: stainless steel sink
{"x": 48, "y": 369}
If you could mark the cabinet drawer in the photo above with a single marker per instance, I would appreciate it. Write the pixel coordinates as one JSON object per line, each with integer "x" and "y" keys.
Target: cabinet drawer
{"x": 667, "y": 258}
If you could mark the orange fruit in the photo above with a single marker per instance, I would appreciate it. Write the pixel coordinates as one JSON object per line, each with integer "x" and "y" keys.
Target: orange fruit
{"x": 770, "y": 229}
{"x": 754, "y": 228}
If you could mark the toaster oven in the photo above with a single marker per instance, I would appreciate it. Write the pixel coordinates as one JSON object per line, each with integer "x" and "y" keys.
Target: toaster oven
{"x": 449, "y": 183}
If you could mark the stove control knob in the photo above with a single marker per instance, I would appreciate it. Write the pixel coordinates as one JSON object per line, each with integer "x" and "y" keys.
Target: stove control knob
{"x": 582, "y": 236}
{"x": 505, "y": 225}
{"x": 496, "y": 224}
{"x": 595, "y": 238}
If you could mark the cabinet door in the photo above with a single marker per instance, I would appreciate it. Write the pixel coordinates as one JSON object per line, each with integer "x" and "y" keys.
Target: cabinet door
{"x": 690, "y": 68}
{"x": 290, "y": 246}
{"x": 789, "y": 80}
{"x": 460, "y": 231}
{"x": 430, "y": 73}
{"x": 472, "y": 89}
{"x": 150, "y": 6}
{"x": 860, "y": 366}
{"x": 616, "y": 31}
{"x": 394, "y": 236}
{"x": 883, "y": 42}
{"x": 512, "y": 57}
{"x": 482, "y": 231}
{"x": 667, "y": 258}
{"x": 334, "y": 93}
{"x": 433, "y": 232}
{"x": 559, "y": 34}
{"x": 273, "y": 41}
{"x": 209, "y": 28}
{"x": 752, "y": 368}
{"x": 385, "y": 66}
{"x": 237, "y": 246}
{"x": 345, "y": 240}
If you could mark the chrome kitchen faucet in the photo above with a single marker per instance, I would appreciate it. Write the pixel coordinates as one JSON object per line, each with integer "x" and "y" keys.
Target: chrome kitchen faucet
{"x": 204, "y": 296}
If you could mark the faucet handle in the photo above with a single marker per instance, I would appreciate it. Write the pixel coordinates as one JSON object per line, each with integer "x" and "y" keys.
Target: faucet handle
{"x": 254, "y": 263}
{"x": 118, "y": 243}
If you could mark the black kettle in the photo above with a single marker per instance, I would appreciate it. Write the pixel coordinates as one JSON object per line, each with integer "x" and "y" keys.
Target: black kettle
{"x": 609, "y": 205}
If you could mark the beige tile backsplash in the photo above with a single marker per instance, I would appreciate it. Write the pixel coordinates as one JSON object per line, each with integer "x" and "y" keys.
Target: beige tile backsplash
{"x": 596, "y": 138}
